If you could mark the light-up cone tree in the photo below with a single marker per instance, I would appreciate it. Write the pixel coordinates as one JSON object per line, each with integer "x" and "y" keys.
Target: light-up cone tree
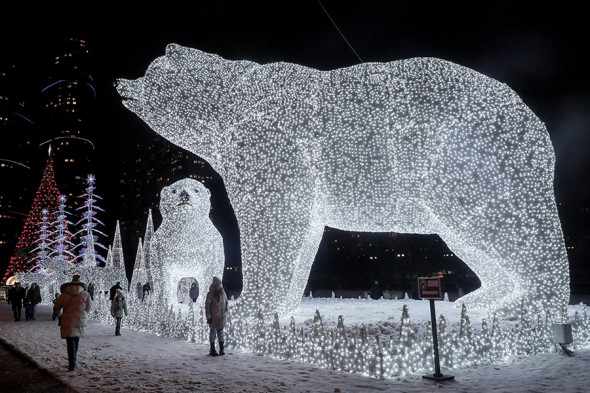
{"x": 46, "y": 198}
{"x": 147, "y": 243}
{"x": 115, "y": 264}
{"x": 88, "y": 255}
{"x": 139, "y": 276}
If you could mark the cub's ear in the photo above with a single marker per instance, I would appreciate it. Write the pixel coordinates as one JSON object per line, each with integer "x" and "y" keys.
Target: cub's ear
{"x": 174, "y": 53}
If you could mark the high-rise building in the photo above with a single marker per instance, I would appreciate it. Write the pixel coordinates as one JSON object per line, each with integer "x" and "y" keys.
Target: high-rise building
{"x": 66, "y": 118}
{"x": 44, "y": 101}
{"x": 16, "y": 163}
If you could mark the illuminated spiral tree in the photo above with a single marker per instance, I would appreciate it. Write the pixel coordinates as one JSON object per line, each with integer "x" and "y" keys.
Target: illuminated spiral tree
{"x": 42, "y": 250}
{"x": 412, "y": 146}
{"x": 88, "y": 255}
{"x": 62, "y": 246}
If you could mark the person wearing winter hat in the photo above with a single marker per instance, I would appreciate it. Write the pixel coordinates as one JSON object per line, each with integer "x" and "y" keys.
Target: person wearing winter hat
{"x": 216, "y": 307}
{"x": 118, "y": 308}
{"x": 75, "y": 302}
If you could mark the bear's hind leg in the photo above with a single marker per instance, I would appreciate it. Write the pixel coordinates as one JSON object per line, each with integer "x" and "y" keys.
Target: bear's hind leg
{"x": 495, "y": 281}
{"x": 537, "y": 259}
{"x": 303, "y": 264}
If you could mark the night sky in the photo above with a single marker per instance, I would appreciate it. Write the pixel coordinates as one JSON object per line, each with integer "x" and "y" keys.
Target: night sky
{"x": 540, "y": 51}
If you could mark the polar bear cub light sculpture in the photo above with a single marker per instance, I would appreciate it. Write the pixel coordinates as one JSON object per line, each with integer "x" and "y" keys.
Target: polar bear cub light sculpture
{"x": 416, "y": 146}
{"x": 186, "y": 244}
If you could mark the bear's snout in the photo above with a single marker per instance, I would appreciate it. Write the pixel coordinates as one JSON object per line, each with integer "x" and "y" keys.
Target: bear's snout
{"x": 184, "y": 197}
{"x": 129, "y": 91}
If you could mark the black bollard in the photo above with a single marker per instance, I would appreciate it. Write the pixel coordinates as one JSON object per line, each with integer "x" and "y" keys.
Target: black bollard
{"x": 437, "y": 374}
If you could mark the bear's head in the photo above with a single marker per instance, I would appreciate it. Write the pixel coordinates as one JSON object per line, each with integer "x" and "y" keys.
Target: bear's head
{"x": 186, "y": 197}
{"x": 183, "y": 96}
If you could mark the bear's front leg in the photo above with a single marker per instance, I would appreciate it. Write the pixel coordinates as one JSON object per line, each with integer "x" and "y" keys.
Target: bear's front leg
{"x": 273, "y": 194}
{"x": 273, "y": 232}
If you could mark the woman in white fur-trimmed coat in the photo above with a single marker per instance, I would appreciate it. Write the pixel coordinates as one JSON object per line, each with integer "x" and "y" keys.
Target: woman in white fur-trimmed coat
{"x": 75, "y": 302}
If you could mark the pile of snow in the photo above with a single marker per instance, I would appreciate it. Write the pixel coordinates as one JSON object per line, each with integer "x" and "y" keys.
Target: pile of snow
{"x": 145, "y": 362}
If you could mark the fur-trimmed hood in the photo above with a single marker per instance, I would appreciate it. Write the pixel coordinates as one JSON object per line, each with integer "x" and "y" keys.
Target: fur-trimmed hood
{"x": 73, "y": 288}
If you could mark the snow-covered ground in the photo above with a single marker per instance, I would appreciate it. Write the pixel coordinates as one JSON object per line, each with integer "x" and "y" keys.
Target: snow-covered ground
{"x": 144, "y": 362}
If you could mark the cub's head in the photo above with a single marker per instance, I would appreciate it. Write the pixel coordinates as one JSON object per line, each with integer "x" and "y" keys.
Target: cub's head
{"x": 185, "y": 197}
{"x": 182, "y": 95}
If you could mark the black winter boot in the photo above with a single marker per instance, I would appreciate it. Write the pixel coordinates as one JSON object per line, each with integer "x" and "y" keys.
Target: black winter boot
{"x": 212, "y": 351}
{"x": 117, "y": 332}
{"x": 221, "y": 351}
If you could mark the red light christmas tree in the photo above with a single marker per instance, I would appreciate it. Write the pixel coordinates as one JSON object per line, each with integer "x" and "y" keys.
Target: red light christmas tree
{"x": 47, "y": 197}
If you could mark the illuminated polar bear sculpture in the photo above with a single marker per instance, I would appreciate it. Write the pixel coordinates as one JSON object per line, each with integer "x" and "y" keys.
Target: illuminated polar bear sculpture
{"x": 416, "y": 146}
{"x": 186, "y": 244}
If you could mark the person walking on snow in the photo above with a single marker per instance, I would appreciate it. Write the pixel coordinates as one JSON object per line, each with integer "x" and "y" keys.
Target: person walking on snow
{"x": 16, "y": 294}
{"x": 146, "y": 290}
{"x": 118, "y": 308}
{"x": 139, "y": 291}
{"x": 216, "y": 307}
{"x": 34, "y": 297}
{"x": 75, "y": 302}
{"x": 113, "y": 290}
{"x": 194, "y": 292}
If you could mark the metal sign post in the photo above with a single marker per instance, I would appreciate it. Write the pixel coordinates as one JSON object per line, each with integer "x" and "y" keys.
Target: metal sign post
{"x": 430, "y": 288}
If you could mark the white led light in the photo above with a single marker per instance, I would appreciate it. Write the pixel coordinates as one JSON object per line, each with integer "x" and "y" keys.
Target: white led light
{"x": 412, "y": 146}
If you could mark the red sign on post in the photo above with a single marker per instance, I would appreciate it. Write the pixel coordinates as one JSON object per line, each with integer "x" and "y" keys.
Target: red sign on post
{"x": 429, "y": 288}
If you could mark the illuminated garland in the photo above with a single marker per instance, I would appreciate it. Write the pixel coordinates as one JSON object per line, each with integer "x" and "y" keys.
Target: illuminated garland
{"x": 414, "y": 146}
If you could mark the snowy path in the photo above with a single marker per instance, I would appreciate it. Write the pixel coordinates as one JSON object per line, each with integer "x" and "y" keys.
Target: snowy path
{"x": 140, "y": 362}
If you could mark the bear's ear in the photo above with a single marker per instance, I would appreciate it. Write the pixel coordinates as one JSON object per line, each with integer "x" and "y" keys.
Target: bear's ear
{"x": 172, "y": 49}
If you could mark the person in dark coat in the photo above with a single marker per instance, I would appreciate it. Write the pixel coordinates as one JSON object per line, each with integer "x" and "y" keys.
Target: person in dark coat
{"x": 28, "y": 309}
{"x": 34, "y": 298}
{"x": 194, "y": 292}
{"x": 113, "y": 290}
{"x": 16, "y": 294}
{"x": 91, "y": 291}
{"x": 146, "y": 290}
{"x": 376, "y": 291}
{"x": 75, "y": 302}
{"x": 216, "y": 307}
{"x": 139, "y": 291}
